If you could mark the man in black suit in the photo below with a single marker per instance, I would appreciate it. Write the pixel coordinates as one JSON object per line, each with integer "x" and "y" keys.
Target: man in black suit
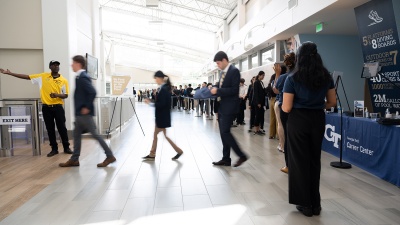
{"x": 84, "y": 111}
{"x": 227, "y": 92}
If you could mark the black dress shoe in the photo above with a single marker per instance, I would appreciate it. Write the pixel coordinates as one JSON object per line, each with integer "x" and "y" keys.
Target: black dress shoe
{"x": 68, "y": 151}
{"x": 52, "y": 153}
{"x": 221, "y": 163}
{"x": 307, "y": 211}
{"x": 240, "y": 161}
{"x": 177, "y": 156}
{"x": 316, "y": 210}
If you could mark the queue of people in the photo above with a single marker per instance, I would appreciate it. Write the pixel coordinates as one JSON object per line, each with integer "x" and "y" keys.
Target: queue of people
{"x": 297, "y": 95}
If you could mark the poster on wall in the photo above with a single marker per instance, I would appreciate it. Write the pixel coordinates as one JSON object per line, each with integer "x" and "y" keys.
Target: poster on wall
{"x": 119, "y": 84}
{"x": 380, "y": 43}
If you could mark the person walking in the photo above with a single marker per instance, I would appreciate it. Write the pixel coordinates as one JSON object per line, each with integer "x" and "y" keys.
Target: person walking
{"x": 53, "y": 90}
{"x": 258, "y": 103}
{"x": 227, "y": 92}
{"x": 84, "y": 111}
{"x": 162, "y": 105}
{"x": 290, "y": 62}
{"x": 304, "y": 95}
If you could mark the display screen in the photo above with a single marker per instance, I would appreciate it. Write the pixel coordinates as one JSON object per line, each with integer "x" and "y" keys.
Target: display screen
{"x": 92, "y": 66}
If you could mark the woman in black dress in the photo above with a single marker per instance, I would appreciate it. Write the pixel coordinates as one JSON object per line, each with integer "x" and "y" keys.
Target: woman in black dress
{"x": 162, "y": 104}
{"x": 258, "y": 103}
{"x": 250, "y": 98}
{"x": 304, "y": 95}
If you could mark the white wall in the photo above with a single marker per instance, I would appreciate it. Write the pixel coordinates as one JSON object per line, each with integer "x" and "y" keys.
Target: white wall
{"x": 253, "y": 7}
{"x": 20, "y": 46}
{"x": 277, "y": 17}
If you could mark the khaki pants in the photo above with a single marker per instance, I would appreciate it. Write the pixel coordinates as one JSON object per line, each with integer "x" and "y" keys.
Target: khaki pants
{"x": 273, "y": 125}
{"x": 281, "y": 134}
{"x": 155, "y": 140}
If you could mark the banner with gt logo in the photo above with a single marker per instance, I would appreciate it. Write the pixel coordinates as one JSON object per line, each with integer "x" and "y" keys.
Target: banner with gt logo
{"x": 379, "y": 39}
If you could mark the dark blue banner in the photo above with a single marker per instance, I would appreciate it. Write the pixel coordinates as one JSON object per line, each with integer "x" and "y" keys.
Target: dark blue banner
{"x": 380, "y": 43}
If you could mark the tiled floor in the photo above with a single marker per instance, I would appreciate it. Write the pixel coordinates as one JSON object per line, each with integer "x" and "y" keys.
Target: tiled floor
{"x": 192, "y": 191}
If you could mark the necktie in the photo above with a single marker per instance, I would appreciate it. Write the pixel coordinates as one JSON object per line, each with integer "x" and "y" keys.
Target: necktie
{"x": 220, "y": 83}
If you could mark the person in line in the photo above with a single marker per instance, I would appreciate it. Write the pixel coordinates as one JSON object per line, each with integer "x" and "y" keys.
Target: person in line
{"x": 162, "y": 114}
{"x": 273, "y": 123}
{"x": 212, "y": 100}
{"x": 258, "y": 103}
{"x": 53, "y": 90}
{"x": 242, "y": 106}
{"x": 185, "y": 99}
{"x": 304, "y": 95}
{"x": 227, "y": 92}
{"x": 290, "y": 62}
{"x": 189, "y": 94}
{"x": 202, "y": 102}
{"x": 134, "y": 92}
{"x": 140, "y": 96}
{"x": 216, "y": 104}
{"x": 181, "y": 98}
{"x": 84, "y": 96}
{"x": 250, "y": 92}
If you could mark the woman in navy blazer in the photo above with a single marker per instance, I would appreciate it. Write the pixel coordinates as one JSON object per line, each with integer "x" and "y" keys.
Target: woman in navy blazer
{"x": 162, "y": 104}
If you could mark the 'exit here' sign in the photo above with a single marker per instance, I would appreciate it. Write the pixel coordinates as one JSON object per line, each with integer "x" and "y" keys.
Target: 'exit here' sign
{"x": 15, "y": 120}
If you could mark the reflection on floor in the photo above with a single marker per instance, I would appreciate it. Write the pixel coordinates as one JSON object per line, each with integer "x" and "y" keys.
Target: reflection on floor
{"x": 191, "y": 190}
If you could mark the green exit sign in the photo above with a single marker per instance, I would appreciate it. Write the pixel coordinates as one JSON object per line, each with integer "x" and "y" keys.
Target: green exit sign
{"x": 319, "y": 27}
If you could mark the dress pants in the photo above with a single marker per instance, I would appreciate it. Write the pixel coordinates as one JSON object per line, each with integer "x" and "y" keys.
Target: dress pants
{"x": 252, "y": 117}
{"x": 305, "y": 131}
{"x": 86, "y": 123}
{"x": 228, "y": 141}
{"x": 283, "y": 118}
{"x": 55, "y": 113}
{"x": 259, "y": 117}
{"x": 240, "y": 115}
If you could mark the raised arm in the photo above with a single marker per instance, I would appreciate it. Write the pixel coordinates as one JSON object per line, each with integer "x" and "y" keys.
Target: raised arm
{"x": 21, "y": 76}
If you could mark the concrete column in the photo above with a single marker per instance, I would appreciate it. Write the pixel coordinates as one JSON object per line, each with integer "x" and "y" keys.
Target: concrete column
{"x": 226, "y": 36}
{"x": 58, "y": 22}
{"x": 241, "y": 14}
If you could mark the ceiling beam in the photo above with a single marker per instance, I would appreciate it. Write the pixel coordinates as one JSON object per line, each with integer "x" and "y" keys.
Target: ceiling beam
{"x": 218, "y": 4}
{"x": 163, "y": 11}
{"x": 144, "y": 15}
{"x": 192, "y": 9}
{"x": 113, "y": 33}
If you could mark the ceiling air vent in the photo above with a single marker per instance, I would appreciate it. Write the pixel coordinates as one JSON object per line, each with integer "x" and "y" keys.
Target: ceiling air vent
{"x": 152, "y": 3}
{"x": 292, "y": 4}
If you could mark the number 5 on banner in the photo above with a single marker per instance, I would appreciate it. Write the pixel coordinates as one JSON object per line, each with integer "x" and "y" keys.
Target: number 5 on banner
{"x": 395, "y": 56}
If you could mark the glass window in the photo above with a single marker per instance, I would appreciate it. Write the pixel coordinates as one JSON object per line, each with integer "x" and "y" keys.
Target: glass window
{"x": 244, "y": 65}
{"x": 267, "y": 55}
{"x": 254, "y": 61}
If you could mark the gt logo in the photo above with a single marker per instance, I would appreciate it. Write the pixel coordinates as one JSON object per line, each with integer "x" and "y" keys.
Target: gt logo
{"x": 331, "y": 136}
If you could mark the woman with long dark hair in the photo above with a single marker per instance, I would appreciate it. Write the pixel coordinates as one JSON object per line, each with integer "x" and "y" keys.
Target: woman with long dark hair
{"x": 162, "y": 104}
{"x": 258, "y": 103}
{"x": 290, "y": 62}
{"x": 304, "y": 95}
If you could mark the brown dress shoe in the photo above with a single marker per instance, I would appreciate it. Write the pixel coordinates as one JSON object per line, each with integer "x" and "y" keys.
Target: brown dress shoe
{"x": 69, "y": 163}
{"x": 240, "y": 161}
{"x": 285, "y": 169}
{"x": 107, "y": 161}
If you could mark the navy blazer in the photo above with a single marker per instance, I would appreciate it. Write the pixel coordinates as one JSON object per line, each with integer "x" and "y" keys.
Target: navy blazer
{"x": 163, "y": 107}
{"x": 229, "y": 92}
{"x": 84, "y": 94}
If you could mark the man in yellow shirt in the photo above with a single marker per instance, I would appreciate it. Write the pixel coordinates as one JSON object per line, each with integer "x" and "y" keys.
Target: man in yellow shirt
{"x": 53, "y": 89}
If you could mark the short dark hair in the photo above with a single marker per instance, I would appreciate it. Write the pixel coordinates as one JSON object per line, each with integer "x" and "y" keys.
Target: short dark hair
{"x": 80, "y": 59}
{"x": 242, "y": 80}
{"x": 261, "y": 73}
{"x": 220, "y": 56}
